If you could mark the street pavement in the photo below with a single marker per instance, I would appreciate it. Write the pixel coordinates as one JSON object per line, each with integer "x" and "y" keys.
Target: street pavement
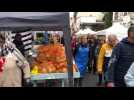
{"x": 90, "y": 80}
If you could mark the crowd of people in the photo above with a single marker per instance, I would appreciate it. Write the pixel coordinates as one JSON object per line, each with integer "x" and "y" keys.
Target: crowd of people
{"x": 85, "y": 51}
{"x": 109, "y": 58}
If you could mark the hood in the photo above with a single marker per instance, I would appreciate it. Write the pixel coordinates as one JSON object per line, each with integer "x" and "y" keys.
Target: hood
{"x": 125, "y": 40}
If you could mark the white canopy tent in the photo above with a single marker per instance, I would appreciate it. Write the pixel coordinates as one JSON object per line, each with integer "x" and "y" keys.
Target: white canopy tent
{"x": 80, "y": 32}
{"x": 116, "y": 29}
{"x": 85, "y": 32}
{"x": 103, "y": 32}
{"x": 89, "y": 31}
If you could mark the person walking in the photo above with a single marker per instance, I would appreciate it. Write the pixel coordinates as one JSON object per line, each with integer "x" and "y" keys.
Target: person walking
{"x": 104, "y": 57}
{"x": 97, "y": 50}
{"x": 121, "y": 60}
{"x": 82, "y": 52}
{"x": 92, "y": 40}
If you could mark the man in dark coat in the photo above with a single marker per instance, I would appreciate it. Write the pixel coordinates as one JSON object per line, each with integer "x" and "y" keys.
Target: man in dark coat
{"x": 122, "y": 58}
{"x": 93, "y": 42}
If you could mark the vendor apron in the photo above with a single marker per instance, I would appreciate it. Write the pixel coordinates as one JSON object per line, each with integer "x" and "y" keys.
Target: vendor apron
{"x": 81, "y": 59}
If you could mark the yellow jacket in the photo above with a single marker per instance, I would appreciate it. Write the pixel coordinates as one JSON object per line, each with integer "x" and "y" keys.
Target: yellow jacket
{"x": 105, "y": 51}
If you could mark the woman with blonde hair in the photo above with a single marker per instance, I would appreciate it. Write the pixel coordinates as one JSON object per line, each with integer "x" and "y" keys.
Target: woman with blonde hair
{"x": 82, "y": 58}
{"x": 104, "y": 57}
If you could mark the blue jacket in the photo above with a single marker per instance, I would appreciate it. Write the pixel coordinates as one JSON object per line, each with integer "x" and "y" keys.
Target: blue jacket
{"x": 121, "y": 59}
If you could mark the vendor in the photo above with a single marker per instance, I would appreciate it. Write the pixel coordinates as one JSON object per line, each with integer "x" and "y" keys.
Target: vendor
{"x": 11, "y": 64}
{"x": 82, "y": 58}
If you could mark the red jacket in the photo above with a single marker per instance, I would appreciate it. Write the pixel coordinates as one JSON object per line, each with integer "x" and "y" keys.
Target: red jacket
{"x": 73, "y": 43}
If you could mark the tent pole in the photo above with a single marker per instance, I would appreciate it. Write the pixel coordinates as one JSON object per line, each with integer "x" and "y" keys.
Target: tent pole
{"x": 67, "y": 41}
{"x": 69, "y": 57}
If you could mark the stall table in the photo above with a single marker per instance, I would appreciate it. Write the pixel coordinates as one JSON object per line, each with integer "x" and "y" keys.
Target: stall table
{"x": 50, "y": 76}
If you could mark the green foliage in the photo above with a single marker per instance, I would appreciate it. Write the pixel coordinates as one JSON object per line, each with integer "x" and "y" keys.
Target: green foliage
{"x": 108, "y": 17}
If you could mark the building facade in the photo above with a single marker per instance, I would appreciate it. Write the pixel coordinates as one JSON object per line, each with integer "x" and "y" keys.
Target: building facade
{"x": 119, "y": 15}
{"x": 93, "y": 20}
{"x": 125, "y": 18}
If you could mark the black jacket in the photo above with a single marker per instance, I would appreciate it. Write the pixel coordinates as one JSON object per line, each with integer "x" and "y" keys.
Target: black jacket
{"x": 92, "y": 50}
{"x": 121, "y": 59}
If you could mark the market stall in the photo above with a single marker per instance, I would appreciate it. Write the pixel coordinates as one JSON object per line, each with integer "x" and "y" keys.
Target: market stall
{"x": 43, "y": 21}
{"x": 80, "y": 32}
{"x": 50, "y": 62}
{"x": 116, "y": 29}
{"x": 85, "y": 32}
{"x": 89, "y": 31}
{"x": 101, "y": 35}
{"x": 119, "y": 30}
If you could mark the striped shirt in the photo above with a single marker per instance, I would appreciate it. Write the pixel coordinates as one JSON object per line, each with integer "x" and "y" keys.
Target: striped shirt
{"x": 27, "y": 39}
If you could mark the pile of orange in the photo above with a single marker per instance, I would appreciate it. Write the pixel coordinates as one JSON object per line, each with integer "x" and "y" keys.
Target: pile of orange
{"x": 52, "y": 59}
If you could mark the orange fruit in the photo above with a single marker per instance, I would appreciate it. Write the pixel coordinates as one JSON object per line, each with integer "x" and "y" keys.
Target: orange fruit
{"x": 44, "y": 70}
{"x": 64, "y": 70}
{"x": 50, "y": 68}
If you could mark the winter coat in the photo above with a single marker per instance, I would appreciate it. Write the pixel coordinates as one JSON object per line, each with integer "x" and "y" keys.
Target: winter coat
{"x": 121, "y": 59}
{"x": 93, "y": 47}
{"x": 11, "y": 76}
{"x": 129, "y": 77}
{"x": 104, "y": 57}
